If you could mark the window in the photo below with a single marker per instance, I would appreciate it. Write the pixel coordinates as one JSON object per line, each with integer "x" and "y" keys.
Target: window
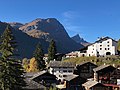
{"x": 100, "y": 45}
{"x": 100, "y": 48}
{"x": 64, "y": 75}
{"x": 107, "y": 41}
{"x": 69, "y": 70}
{"x": 105, "y": 48}
{"x": 108, "y": 45}
{"x": 64, "y": 70}
{"x": 108, "y": 48}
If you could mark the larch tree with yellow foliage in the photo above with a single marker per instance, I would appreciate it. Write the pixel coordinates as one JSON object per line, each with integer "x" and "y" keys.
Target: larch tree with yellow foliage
{"x": 33, "y": 65}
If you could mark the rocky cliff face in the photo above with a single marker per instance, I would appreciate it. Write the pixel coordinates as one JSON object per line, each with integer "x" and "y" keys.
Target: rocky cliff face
{"x": 51, "y": 28}
{"x": 26, "y": 44}
{"x": 16, "y": 25}
{"x": 80, "y": 40}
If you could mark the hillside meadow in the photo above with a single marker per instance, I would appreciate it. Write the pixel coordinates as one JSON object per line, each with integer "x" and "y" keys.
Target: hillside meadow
{"x": 111, "y": 60}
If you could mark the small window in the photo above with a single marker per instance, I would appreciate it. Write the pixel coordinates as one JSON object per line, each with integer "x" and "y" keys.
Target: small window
{"x": 105, "y": 48}
{"x": 107, "y": 41}
{"x": 64, "y": 70}
{"x": 108, "y": 45}
{"x": 100, "y": 45}
{"x": 100, "y": 48}
{"x": 108, "y": 48}
{"x": 64, "y": 75}
{"x": 69, "y": 70}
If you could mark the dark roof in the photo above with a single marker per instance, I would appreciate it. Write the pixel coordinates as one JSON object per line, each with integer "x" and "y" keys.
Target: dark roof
{"x": 29, "y": 74}
{"x": 70, "y": 77}
{"x": 32, "y": 85}
{"x": 38, "y": 74}
{"x": 102, "y": 67}
{"x": 82, "y": 63}
{"x": 61, "y": 64}
{"x": 104, "y": 39}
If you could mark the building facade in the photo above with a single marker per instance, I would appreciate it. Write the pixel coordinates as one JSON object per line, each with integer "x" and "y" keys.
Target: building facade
{"x": 102, "y": 47}
{"x": 61, "y": 69}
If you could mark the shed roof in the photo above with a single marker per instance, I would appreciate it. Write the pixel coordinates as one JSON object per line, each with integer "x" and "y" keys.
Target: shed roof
{"x": 90, "y": 84}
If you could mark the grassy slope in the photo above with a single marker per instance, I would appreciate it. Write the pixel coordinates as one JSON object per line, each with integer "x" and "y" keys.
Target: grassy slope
{"x": 97, "y": 60}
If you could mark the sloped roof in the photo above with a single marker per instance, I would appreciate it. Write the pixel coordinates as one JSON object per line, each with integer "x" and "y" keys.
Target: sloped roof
{"x": 70, "y": 77}
{"x": 32, "y": 85}
{"x": 61, "y": 64}
{"x": 38, "y": 74}
{"x": 90, "y": 84}
{"x": 102, "y": 67}
{"x": 104, "y": 38}
{"x": 82, "y": 63}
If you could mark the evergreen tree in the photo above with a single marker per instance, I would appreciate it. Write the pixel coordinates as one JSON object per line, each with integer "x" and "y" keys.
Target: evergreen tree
{"x": 11, "y": 71}
{"x": 118, "y": 46}
{"x": 51, "y": 51}
{"x": 38, "y": 54}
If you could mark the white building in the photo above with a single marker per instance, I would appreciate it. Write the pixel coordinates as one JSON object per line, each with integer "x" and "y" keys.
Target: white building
{"x": 73, "y": 54}
{"x": 104, "y": 46}
{"x": 61, "y": 69}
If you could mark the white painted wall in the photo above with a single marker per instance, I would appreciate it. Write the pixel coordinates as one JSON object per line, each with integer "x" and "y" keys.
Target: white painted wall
{"x": 102, "y": 48}
{"x": 61, "y": 72}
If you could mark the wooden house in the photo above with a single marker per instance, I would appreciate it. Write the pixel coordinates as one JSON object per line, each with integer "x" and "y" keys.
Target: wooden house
{"x": 103, "y": 74}
{"x": 85, "y": 69}
{"x": 44, "y": 78}
{"x": 72, "y": 82}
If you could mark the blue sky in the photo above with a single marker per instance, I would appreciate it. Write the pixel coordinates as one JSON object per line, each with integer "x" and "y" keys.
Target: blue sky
{"x": 88, "y": 18}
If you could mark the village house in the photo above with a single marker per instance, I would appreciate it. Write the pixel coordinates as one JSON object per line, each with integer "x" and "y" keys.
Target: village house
{"x": 102, "y": 74}
{"x": 105, "y": 74}
{"x": 85, "y": 69}
{"x": 102, "y": 47}
{"x": 39, "y": 80}
{"x": 31, "y": 84}
{"x": 61, "y": 69}
{"x": 72, "y": 82}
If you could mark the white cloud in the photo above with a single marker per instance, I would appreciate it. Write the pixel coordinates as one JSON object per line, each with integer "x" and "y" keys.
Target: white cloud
{"x": 70, "y": 14}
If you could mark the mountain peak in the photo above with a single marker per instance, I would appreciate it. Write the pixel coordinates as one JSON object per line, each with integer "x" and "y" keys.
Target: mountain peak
{"x": 79, "y": 40}
{"x": 48, "y": 29}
